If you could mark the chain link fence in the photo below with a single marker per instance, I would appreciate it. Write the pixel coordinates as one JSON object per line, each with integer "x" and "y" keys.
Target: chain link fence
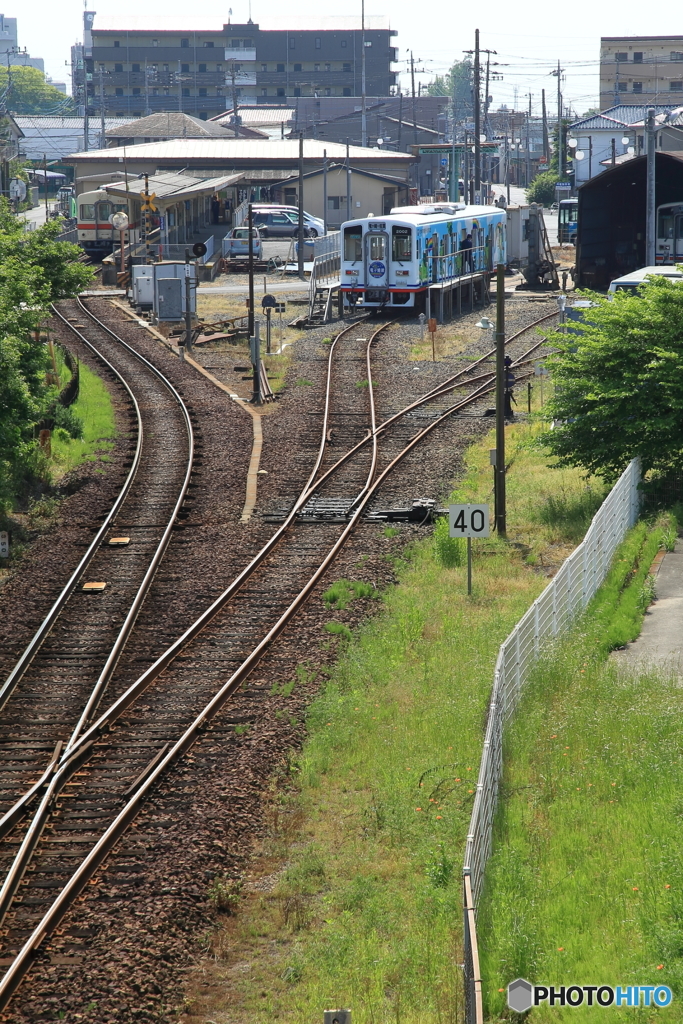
{"x": 550, "y": 614}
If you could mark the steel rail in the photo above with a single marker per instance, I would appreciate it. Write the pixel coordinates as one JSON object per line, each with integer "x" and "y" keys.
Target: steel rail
{"x": 68, "y": 760}
{"x": 80, "y": 878}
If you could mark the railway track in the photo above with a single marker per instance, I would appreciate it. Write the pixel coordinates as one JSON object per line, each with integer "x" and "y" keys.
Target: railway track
{"x": 125, "y": 753}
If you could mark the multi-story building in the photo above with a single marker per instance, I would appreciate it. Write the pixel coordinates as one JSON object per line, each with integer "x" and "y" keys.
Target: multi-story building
{"x": 9, "y": 47}
{"x": 649, "y": 68}
{"x": 138, "y": 72}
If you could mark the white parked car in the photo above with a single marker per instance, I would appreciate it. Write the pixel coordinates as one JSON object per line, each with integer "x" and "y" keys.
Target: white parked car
{"x": 314, "y": 225}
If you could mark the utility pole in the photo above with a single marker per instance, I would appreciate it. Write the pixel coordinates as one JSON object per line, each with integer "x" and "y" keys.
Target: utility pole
{"x": 477, "y": 115}
{"x": 188, "y": 304}
{"x": 650, "y": 247}
{"x": 348, "y": 183}
{"x": 235, "y": 114}
{"x": 501, "y": 524}
{"x": 528, "y": 157}
{"x": 412, "y": 86}
{"x": 250, "y": 317}
{"x": 103, "y": 141}
{"x": 400, "y": 120}
{"x": 363, "y": 115}
{"x": 560, "y": 141}
{"x": 546, "y": 144}
{"x": 301, "y": 232}
{"x": 47, "y": 209}
{"x": 325, "y": 191}
{"x": 146, "y": 220}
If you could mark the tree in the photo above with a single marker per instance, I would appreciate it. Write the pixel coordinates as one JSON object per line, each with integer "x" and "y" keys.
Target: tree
{"x": 542, "y": 188}
{"x": 456, "y": 83}
{"x": 26, "y": 92}
{"x": 619, "y": 383}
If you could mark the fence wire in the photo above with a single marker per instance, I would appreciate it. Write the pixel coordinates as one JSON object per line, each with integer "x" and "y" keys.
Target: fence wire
{"x": 550, "y": 614}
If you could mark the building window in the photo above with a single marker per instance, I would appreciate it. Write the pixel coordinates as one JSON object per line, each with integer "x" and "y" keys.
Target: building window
{"x": 166, "y": 92}
{"x": 328, "y": 67}
{"x": 117, "y": 43}
{"x": 118, "y": 68}
{"x": 318, "y": 42}
{"x": 186, "y": 92}
{"x": 264, "y": 92}
{"x": 346, "y": 67}
{"x": 203, "y": 92}
{"x": 619, "y": 57}
{"x": 281, "y": 92}
{"x": 637, "y": 86}
{"x": 219, "y": 67}
{"x": 676, "y": 55}
{"x": 343, "y": 43}
{"x": 297, "y": 91}
{"x": 202, "y": 69}
{"x": 316, "y": 67}
{"x": 264, "y": 67}
{"x": 676, "y": 86}
{"x": 292, "y": 42}
{"x": 280, "y": 67}
{"x": 347, "y": 90}
{"x": 136, "y": 92}
{"x": 248, "y": 44}
{"x": 209, "y": 45}
{"x": 238, "y": 92}
{"x": 135, "y": 67}
{"x": 297, "y": 67}
{"x": 185, "y": 43}
{"x": 119, "y": 92}
{"x": 637, "y": 58}
{"x": 623, "y": 86}
{"x": 155, "y": 42}
{"x": 155, "y": 92}
{"x": 165, "y": 67}
{"x": 328, "y": 92}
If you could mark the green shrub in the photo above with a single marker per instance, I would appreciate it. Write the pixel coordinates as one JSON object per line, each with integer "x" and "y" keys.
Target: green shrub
{"x": 449, "y": 551}
{"x": 342, "y": 593}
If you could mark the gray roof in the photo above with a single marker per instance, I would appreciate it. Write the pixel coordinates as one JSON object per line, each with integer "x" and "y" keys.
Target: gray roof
{"x": 625, "y": 115}
{"x": 229, "y": 150}
{"x": 169, "y": 124}
{"x": 167, "y": 185}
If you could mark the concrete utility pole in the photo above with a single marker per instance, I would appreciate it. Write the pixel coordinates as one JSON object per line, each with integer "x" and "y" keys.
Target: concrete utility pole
{"x": 188, "y": 304}
{"x": 325, "y": 191}
{"x": 528, "y": 156}
{"x": 650, "y": 238}
{"x": 501, "y": 523}
{"x": 560, "y": 142}
{"x": 477, "y": 115}
{"x": 301, "y": 232}
{"x": 412, "y": 86}
{"x": 250, "y": 318}
{"x": 348, "y": 183}
{"x": 546, "y": 143}
{"x": 363, "y": 115}
{"x": 103, "y": 141}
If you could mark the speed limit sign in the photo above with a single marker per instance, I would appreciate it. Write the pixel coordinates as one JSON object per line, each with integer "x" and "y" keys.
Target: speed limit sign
{"x": 468, "y": 520}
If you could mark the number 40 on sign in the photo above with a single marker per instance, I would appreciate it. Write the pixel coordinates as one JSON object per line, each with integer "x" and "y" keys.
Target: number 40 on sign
{"x": 468, "y": 521}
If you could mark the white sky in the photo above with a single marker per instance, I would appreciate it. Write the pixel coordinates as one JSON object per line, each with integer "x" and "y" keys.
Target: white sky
{"x": 529, "y": 39}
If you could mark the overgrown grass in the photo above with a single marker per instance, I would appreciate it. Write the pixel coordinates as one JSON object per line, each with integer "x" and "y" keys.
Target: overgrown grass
{"x": 366, "y": 910}
{"x": 94, "y": 408}
{"x": 342, "y": 593}
{"x": 584, "y": 886}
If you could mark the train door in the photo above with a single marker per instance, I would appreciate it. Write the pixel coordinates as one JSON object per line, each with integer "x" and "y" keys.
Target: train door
{"x": 670, "y": 234}
{"x": 376, "y": 258}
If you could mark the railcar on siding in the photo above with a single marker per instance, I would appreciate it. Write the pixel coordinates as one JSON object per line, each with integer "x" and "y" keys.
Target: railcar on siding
{"x": 391, "y": 261}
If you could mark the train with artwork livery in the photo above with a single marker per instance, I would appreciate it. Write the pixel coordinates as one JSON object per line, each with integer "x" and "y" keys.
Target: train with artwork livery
{"x": 391, "y": 261}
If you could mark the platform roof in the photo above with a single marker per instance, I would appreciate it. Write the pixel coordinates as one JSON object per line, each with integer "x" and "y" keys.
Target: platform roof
{"x": 169, "y": 187}
{"x": 240, "y": 152}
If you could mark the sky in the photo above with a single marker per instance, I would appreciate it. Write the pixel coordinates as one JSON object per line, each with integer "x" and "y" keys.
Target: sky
{"x": 528, "y": 39}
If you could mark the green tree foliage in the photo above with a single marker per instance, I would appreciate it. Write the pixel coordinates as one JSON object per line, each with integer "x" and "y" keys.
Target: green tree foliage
{"x": 456, "y": 83}
{"x": 542, "y": 188}
{"x": 35, "y": 269}
{"x": 619, "y": 383}
{"x": 26, "y": 92}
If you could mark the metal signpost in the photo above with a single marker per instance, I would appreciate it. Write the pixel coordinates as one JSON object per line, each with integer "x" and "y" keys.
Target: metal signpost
{"x": 269, "y": 303}
{"x": 255, "y": 352}
{"x": 468, "y": 521}
{"x": 431, "y": 324}
{"x": 4, "y": 544}
{"x": 280, "y": 308}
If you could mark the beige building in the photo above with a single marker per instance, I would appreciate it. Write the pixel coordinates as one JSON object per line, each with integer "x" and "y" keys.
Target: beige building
{"x": 641, "y": 69}
{"x": 371, "y": 193}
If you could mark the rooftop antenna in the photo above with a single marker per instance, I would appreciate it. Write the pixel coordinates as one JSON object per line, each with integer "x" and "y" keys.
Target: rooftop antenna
{"x": 229, "y": 15}
{"x": 250, "y": 22}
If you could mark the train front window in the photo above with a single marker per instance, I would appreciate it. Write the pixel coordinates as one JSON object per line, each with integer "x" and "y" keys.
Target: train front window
{"x": 103, "y": 211}
{"x": 378, "y": 247}
{"x": 353, "y": 244}
{"x": 666, "y": 226}
{"x": 401, "y": 244}
{"x": 87, "y": 211}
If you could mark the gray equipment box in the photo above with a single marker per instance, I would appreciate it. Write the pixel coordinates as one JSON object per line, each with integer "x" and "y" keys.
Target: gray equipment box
{"x": 169, "y": 290}
{"x": 143, "y": 286}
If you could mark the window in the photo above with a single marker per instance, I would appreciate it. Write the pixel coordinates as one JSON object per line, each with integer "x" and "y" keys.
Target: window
{"x": 118, "y": 68}
{"x": 297, "y": 67}
{"x": 136, "y": 92}
{"x": 353, "y": 237}
{"x": 135, "y": 67}
{"x": 676, "y": 55}
{"x": 318, "y": 42}
{"x": 297, "y": 91}
{"x": 88, "y": 211}
{"x": 378, "y": 247}
{"x": 219, "y": 67}
{"x": 186, "y": 92}
{"x": 401, "y": 239}
{"x": 264, "y": 92}
{"x": 155, "y": 92}
{"x": 623, "y": 86}
{"x": 248, "y": 43}
{"x": 292, "y": 42}
{"x": 117, "y": 43}
{"x": 343, "y": 43}
{"x": 119, "y": 92}
{"x": 184, "y": 69}
{"x": 619, "y": 57}
{"x": 155, "y": 42}
{"x": 202, "y": 69}
{"x": 185, "y": 43}
{"x": 103, "y": 211}
{"x": 346, "y": 91}
{"x": 328, "y": 67}
{"x": 316, "y": 67}
{"x": 209, "y": 45}
{"x": 264, "y": 67}
{"x": 665, "y": 229}
{"x": 281, "y": 92}
{"x": 280, "y": 67}
{"x": 166, "y": 92}
{"x": 346, "y": 67}
{"x": 637, "y": 86}
{"x": 676, "y": 86}
{"x": 203, "y": 92}
{"x": 328, "y": 92}
{"x": 165, "y": 67}
{"x": 638, "y": 58}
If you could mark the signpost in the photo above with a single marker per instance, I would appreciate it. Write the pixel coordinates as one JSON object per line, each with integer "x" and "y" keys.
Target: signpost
{"x": 468, "y": 521}
{"x": 269, "y": 303}
{"x": 431, "y": 325}
{"x": 4, "y": 544}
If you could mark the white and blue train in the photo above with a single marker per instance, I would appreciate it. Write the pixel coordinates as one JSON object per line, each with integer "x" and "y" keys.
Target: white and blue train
{"x": 392, "y": 260}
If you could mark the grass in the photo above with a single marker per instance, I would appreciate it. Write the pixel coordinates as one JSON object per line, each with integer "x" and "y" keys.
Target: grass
{"x": 368, "y": 823}
{"x": 342, "y": 593}
{"x": 585, "y": 883}
{"x": 94, "y": 407}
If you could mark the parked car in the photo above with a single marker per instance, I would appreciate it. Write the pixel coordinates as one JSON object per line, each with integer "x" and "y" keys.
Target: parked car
{"x": 277, "y": 224}
{"x": 314, "y": 224}
{"x": 237, "y": 243}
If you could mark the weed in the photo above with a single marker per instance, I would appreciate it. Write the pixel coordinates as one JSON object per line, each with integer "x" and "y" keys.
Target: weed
{"x": 338, "y": 628}
{"x": 242, "y": 730}
{"x": 362, "y": 383}
{"x": 450, "y": 551}
{"x": 390, "y": 531}
{"x": 440, "y": 868}
{"x": 342, "y": 593}
{"x": 42, "y": 510}
{"x": 303, "y": 383}
{"x": 224, "y": 893}
{"x": 647, "y": 593}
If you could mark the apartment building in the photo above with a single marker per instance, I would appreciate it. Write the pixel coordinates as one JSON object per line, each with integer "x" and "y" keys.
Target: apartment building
{"x": 649, "y": 68}
{"x": 133, "y": 72}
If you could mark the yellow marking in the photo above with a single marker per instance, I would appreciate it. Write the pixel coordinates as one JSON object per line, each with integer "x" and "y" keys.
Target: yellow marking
{"x": 119, "y": 542}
